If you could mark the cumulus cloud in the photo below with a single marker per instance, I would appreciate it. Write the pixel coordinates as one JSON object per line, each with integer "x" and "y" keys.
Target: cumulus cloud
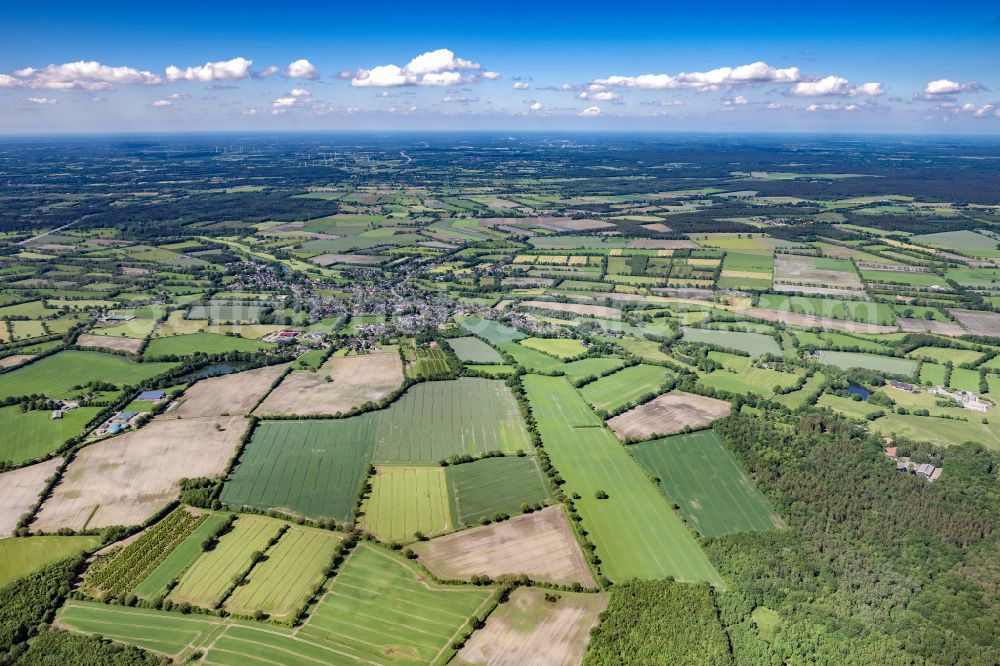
{"x": 947, "y": 87}
{"x": 270, "y": 70}
{"x": 161, "y": 104}
{"x": 521, "y": 85}
{"x": 835, "y": 86}
{"x": 536, "y": 106}
{"x": 738, "y": 100}
{"x": 600, "y": 96}
{"x": 299, "y": 92}
{"x": 223, "y": 70}
{"x": 302, "y": 69}
{"x": 591, "y": 111}
{"x": 434, "y": 68}
{"x": 79, "y": 75}
{"x": 722, "y": 77}
{"x": 832, "y": 106}
{"x": 38, "y": 101}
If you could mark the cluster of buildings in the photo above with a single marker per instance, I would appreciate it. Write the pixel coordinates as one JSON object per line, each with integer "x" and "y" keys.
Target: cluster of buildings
{"x": 904, "y": 464}
{"x": 967, "y": 399}
{"x": 63, "y": 406}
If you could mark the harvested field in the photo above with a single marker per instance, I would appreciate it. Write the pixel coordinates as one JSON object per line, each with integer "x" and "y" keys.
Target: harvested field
{"x": 19, "y": 490}
{"x": 355, "y": 380}
{"x": 660, "y": 244}
{"x": 812, "y": 321}
{"x": 541, "y": 545}
{"x": 576, "y": 308}
{"x": 814, "y": 270}
{"x": 658, "y": 227}
{"x": 930, "y": 326}
{"x": 668, "y": 414}
{"x": 978, "y": 323}
{"x": 126, "y": 479}
{"x": 820, "y": 291}
{"x": 14, "y": 359}
{"x": 233, "y": 394}
{"x": 130, "y": 345}
{"x": 530, "y": 630}
{"x": 358, "y": 259}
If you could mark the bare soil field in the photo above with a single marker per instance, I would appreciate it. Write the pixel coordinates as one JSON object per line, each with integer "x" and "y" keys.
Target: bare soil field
{"x": 576, "y": 308}
{"x": 813, "y": 321}
{"x": 978, "y": 323}
{"x": 539, "y": 544}
{"x": 360, "y": 259}
{"x": 668, "y": 414}
{"x": 14, "y": 359}
{"x": 355, "y": 380}
{"x": 234, "y": 394}
{"x": 126, "y": 479}
{"x": 824, "y": 291}
{"x": 554, "y": 223}
{"x": 130, "y": 345}
{"x": 19, "y": 490}
{"x": 793, "y": 268}
{"x": 661, "y": 244}
{"x": 930, "y": 326}
{"x": 658, "y": 227}
{"x": 530, "y": 630}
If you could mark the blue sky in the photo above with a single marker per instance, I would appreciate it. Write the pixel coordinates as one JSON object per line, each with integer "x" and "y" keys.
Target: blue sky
{"x": 716, "y": 66}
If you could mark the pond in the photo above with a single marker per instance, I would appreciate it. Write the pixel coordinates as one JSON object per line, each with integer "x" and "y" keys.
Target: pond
{"x": 216, "y": 369}
{"x": 856, "y": 389}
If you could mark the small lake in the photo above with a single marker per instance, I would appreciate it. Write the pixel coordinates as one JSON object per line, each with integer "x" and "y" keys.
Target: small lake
{"x": 855, "y": 389}
{"x": 216, "y": 369}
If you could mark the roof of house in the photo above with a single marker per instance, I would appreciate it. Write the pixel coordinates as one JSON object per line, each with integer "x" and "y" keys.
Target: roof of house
{"x": 151, "y": 395}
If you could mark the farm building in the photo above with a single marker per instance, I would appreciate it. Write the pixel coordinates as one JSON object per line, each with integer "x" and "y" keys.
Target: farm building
{"x": 904, "y": 464}
{"x": 152, "y": 395}
{"x": 968, "y": 399}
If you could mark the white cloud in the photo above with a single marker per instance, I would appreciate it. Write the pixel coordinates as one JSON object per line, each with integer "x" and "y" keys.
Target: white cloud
{"x": 948, "y": 87}
{"x": 178, "y": 95}
{"x": 299, "y": 92}
{"x": 832, "y": 106}
{"x": 284, "y": 102}
{"x": 161, "y": 104}
{"x": 223, "y": 70}
{"x": 459, "y": 99}
{"x": 251, "y": 112}
{"x": 835, "y": 86}
{"x": 270, "y": 70}
{"x": 591, "y": 111}
{"x": 758, "y": 72}
{"x": 600, "y": 96}
{"x": 521, "y": 85}
{"x": 739, "y": 100}
{"x": 434, "y": 68}
{"x": 79, "y": 75}
{"x": 39, "y": 101}
{"x": 536, "y": 106}
{"x": 302, "y": 69}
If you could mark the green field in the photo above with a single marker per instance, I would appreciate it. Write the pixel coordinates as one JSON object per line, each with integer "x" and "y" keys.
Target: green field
{"x": 474, "y": 350}
{"x": 32, "y": 434}
{"x": 942, "y": 432}
{"x": 206, "y": 343}
{"x": 493, "y": 370}
{"x": 861, "y": 311}
{"x": 284, "y": 581}
{"x": 636, "y": 532}
{"x": 591, "y": 367}
{"x": 755, "y": 344}
{"x": 381, "y": 606}
{"x": 486, "y": 487}
{"x": 490, "y": 330}
{"x": 406, "y": 500}
{"x": 624, "y": 387}
{"x": 55, "y": 376}
{"x": 24, "y": 555}
{"x": 179, "y": 559}
{"x": 532, "y": 360}
{"x": 888, "y": 364}
{"x": 715, "y": 495}
{"x": 314, "y": 467}
{"x": 945, "y": 354}
{"x": 207, "y": 580}
{"x": 309, "y": 467}
{"x": 561, "y": 348}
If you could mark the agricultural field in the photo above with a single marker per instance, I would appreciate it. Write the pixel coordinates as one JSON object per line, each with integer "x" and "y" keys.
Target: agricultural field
{"x": 407, "y": 500}
{"x": 636, "y": 532}
{"x": 232, "y": 394}
{"x": 32, "y": 434}
{"x": 531, "y": 629}
{"x": 490, "y": 330}
{"x": 669, "y": 413}
{"x": 624, "y": 387}
{"x": 206, "y": 343}
{"x": 341, "y": 384}
{"x": 755, "y": 344}
{"x": 126, "y": 479}
{"x": 473, "y": 350}
{"x": 540, "y": 545}
{"x": 379, "y": 604}
{"x": 183, "y": 554}
{"x": 56, "y": 375}
{"x": 21, "y": 556}
{"x": 561, "y": 348}
{"x": 20, "y": 489}
{"x": 715, "y": 496}
{"x": 484, "y": 488}
{"x": 888, "y": 364}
